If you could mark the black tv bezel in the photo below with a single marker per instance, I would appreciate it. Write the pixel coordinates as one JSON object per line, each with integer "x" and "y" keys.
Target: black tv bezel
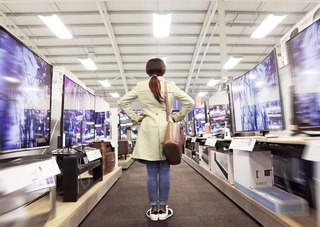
{"x": 234, "y": 131}
{"x": 50, "y": 105}
{"x": 295, "y": 121}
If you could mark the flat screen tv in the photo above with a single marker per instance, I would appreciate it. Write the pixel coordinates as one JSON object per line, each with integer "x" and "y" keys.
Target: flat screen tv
{"x": 75, "y": 113}
{"x": 89, "y": 117}
{"x": 25, "y": 96}
{"x": 200, "y": 120}
{"x": 191, "y": 124}
{"x": 219, "y": 118}
{"x": 256, "y": 98}
{"x": 304, "y": 57}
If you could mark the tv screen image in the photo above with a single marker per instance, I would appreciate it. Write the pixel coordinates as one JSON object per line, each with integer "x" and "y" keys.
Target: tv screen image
{"x": 304, "y": 57}
{"x": 78, "y": 122}
{"x": 200, "y": 120}
{"x": 219, "y": 116}
{"x": 191, "y": 128}
{"x": 25, "y": 96}
{"x": 256, "y": 98}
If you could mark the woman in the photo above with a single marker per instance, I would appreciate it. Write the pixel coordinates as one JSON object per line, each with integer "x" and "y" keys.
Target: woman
{"x": 148, "y": 148}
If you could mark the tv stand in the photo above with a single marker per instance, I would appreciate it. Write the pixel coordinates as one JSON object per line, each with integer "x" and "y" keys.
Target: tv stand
{"x": 72, "y": 166}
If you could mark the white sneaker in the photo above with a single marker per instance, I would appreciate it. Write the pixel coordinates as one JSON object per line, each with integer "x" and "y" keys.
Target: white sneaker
{"x": 152, "y": 215}
{"x": 163, "y": 215}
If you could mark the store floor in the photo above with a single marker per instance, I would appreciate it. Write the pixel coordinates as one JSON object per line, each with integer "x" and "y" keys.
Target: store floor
{"x": 195, "y": 202}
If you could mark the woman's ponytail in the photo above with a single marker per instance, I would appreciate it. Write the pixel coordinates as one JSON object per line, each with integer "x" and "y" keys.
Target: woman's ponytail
{"x": 155, "y": 67}
{"x": 155, "y": 87}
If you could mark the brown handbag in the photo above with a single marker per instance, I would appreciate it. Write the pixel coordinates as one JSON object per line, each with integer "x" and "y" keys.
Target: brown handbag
{"x": 173, "y": 144}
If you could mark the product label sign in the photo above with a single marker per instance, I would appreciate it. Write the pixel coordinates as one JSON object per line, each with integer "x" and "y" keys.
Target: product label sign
{"x": 93, "y": 154}
{"x": 246, "y": 144}
{"x": 311, "y": 151}
{"x": 193, "y": 139}
{"x": 211, "y": 142}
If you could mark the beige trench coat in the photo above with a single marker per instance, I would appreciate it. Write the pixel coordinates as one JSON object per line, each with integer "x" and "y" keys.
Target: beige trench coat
{"x": 152, "y": 129}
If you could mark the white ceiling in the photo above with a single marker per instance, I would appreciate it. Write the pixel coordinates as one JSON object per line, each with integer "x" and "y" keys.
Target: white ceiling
{"x": 119, "y": 33}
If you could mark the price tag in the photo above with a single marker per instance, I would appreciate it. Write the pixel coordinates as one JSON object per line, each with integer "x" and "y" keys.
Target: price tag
{"x": 193, "y": 139}
{"x": 93, "y": 154}
{"x": 211, "y": 142}
{"x": 246, "y": 144}
{"x": 312, "y": 151}
{"x": 114, "y": 143}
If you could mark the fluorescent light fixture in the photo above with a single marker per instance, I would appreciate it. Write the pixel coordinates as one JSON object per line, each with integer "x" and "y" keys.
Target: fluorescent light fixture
{"x": 201, "y": 94}
{"x": 267, "y": 25}
{"x": 212, "y": 82}
{"x": 104, "y": 83}
{"x": 55, "y": 25}
{"x": 232, "y": 62}
{"x": 87, "y": 63}
{"x": 114, "y": 94}
{"x": 161, "y": 24}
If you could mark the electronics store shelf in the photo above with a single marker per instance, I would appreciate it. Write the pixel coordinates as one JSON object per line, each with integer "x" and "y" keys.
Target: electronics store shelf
{"x": 258, "y": 212}
{"x": 71, "y": 214}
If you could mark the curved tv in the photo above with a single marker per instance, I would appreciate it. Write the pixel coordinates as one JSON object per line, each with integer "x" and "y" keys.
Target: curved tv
{"x": 256, "y": 98}
{"x": 25, "y": 96}
{"x": 304, "y": 57}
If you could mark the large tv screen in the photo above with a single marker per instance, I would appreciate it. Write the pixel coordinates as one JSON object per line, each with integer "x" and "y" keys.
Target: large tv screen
{"x": 25, "y": 96}
{"x": 89, "y": 118}
{"x": 304, "y": 57}
{"x": 200, "y": 120}
{"x": 191, "y": 123}
{"x": 219, "y": 118}
{"x": 77, "y": 117}
{"x": 256, "y": 98}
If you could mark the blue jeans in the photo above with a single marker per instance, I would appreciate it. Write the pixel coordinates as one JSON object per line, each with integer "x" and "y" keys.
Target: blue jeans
{"x": 158, "y": 181}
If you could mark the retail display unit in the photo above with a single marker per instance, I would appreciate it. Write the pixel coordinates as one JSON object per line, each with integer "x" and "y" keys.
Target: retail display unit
{"x": 74, "y": 180}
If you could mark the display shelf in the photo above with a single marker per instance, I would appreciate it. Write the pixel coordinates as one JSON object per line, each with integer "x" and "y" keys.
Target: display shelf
{"x": 258, "y": 212}
{"x": 125, "y": 163}
{"x": 72, "y": 214}
{"x": 70, "y": 182}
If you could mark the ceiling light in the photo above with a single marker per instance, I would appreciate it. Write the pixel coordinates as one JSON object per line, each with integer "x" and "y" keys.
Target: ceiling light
{"x": 104, "y": 83}
{"x": 87, "y": 63}
{"x": 161, "y": 24}
{"x": 232, "y": 62}
{"x": 267, "y": 25}
{"x": 114, "y": 94}
{"x": 212, "y": 82}
{"x": 201, "y": 94}
{"x": 55, "y": 25}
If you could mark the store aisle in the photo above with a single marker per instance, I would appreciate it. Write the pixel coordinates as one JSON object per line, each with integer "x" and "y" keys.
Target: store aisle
{"x": 195, "y": 202}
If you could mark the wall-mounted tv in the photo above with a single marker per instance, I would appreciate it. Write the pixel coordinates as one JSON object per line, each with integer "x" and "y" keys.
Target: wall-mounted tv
{"x": 25, "y": 96}
{"x": 256, "y": 98}
{"x": 304, "y": 57}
